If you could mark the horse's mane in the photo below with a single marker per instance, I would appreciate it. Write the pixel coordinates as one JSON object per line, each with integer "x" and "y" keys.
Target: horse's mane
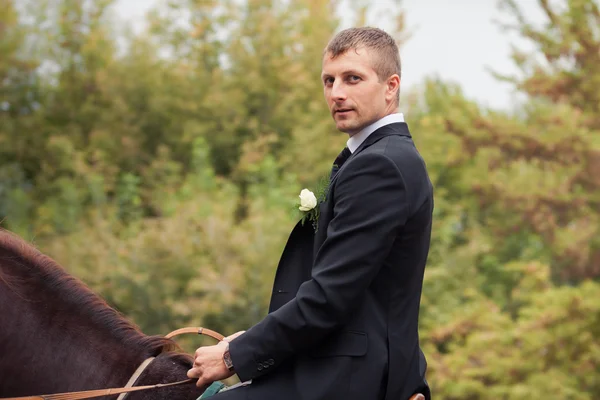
{"x": 30, "y": 262}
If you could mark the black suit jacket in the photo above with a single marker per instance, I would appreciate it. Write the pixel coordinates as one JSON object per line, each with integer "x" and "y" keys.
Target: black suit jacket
{"x": 343, "y": 317}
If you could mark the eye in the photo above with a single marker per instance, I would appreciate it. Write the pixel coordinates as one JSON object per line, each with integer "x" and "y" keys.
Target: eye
{"x": 354, "y": 78}
{"x": 328, "y": 81}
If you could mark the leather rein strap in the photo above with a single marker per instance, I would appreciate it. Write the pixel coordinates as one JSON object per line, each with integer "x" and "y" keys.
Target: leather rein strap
{"x": 138, "y": 372}
{"x": 88, "y": 394}
{"x": 199, "y": 331}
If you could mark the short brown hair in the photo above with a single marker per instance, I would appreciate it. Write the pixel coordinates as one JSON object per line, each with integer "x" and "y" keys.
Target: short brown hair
{"x": 388, "y": 62}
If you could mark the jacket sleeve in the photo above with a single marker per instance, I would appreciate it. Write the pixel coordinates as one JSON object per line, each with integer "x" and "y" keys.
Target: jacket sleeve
{"x": 370, "y": 206}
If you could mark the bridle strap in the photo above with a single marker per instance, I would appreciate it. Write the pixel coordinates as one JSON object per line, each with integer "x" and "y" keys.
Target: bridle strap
{"x": 88, "y": 394}
{"x": 135, "y": 376}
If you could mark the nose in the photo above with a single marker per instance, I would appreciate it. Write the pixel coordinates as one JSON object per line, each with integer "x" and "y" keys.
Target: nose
{"x": 337, "y": 91}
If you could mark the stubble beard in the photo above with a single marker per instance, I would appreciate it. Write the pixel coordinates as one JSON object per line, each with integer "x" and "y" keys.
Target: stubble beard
{"x": 349, "y": 126}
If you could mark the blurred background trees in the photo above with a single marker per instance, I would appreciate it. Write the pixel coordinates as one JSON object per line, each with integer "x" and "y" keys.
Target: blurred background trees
{"x": 162, "y": 169}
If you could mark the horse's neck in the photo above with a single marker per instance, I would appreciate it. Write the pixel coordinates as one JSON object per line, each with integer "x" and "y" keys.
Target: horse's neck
{"x": 57, "y": 336}
{"x": 47, "y": 350}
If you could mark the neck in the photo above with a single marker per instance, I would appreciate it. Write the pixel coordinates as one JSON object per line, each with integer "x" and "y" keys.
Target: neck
{"x": 42, "y": 355}
{"x": 49, "y": 344}
{"x": 57, "y": 336}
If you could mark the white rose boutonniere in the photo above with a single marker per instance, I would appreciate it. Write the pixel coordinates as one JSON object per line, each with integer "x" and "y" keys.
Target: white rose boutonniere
{"x": 308, "y": 207}
{"x": 308, "y": 200}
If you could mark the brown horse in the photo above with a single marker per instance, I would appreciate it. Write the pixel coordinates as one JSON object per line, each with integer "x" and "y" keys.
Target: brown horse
{"x": 57, "y": 336}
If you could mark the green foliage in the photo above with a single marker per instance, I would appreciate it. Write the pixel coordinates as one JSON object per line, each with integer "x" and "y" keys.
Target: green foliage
{"x": 549, "y": 350}
{"x": 161, "y": 168}
{"x": 128, "y": 198}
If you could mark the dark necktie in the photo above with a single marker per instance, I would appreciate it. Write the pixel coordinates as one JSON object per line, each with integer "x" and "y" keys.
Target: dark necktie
{"x": 339, "y": 161}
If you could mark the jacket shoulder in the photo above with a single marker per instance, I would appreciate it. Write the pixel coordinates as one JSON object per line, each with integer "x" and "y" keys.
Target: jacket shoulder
{"x": 401, "y": 150}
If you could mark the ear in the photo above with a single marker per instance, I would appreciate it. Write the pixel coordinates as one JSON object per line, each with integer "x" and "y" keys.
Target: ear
{"x": 393, "y": 86}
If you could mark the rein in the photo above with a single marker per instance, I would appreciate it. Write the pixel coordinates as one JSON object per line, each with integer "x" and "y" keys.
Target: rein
{"x": 135, "y": 376}
{"x": 88, "y": 394}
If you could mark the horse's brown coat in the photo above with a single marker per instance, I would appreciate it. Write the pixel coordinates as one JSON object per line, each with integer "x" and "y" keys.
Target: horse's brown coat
{"x": 56, "y": 335}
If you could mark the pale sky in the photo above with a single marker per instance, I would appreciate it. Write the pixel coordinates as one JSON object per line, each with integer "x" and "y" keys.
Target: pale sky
{"x": 454, "y": 40}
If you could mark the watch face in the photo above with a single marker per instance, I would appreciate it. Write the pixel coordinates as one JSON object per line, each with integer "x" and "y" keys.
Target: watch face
{"x": 227, "y": 360}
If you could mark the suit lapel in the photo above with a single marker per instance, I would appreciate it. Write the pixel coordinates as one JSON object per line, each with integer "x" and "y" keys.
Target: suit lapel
{"x": 294, "y": 266}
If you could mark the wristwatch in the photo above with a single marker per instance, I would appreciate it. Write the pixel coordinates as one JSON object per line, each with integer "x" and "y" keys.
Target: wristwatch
{"x": 227, "y": 358}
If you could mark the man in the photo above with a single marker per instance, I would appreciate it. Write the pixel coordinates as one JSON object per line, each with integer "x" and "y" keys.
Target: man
{"x": 344, "y": 311}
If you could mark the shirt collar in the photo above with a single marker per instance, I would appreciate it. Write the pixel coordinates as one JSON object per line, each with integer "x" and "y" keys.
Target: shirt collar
{"x": 355, "y": 141}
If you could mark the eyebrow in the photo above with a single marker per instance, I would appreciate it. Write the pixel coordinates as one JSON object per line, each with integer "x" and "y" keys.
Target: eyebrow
{"x": 347, "y": 72}
{"x": 353, "y": 72}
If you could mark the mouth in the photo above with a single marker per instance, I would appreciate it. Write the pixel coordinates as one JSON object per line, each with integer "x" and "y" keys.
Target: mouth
{"x": 343, "y": 111}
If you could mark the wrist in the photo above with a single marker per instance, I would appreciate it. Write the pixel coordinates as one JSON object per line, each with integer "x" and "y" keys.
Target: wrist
{"x": 227, "y": 358}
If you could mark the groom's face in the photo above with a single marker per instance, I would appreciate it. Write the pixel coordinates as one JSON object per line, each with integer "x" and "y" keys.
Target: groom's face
{"x": 354, "y": 93}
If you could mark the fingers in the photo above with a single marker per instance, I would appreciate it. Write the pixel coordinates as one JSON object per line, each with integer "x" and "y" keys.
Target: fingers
{"x": 204, "y": 373}
{"x": 208, "y": 365}
{"x": 203, "y": 379}
{"x": 194, "y": 372}
{"x": 203, "y": 383}
{"x": 199, "y": 352}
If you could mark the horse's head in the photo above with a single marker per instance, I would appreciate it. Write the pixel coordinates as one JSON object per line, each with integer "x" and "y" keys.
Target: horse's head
{"x": 56, "y": 335}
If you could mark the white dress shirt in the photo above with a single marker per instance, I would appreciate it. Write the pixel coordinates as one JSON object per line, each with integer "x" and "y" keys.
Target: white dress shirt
{"x": 355, "y": 141}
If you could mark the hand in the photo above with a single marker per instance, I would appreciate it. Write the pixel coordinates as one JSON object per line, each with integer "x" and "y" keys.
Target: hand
{"x": 209, "y": 365}
{"x": 231, "y": 337}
